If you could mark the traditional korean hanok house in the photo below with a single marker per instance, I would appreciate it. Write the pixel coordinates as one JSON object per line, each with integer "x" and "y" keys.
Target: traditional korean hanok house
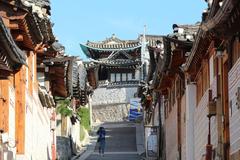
{"x": 169, "y": 83}
{"x": 25, "y": 31}
{"x": 92, "y": 73}
{"x": 212, "y": 71}
{"x": 66, "y": 77}
{"x": 114, "y": 68}
{"x": 149, "y": 99}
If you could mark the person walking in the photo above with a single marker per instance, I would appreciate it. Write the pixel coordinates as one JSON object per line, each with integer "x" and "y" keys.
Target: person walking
{"x": 101, "y": 140}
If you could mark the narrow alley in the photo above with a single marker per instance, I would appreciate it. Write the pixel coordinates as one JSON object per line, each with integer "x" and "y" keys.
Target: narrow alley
{"x": 119, "y": 80}
{"x": 121, "y": 143}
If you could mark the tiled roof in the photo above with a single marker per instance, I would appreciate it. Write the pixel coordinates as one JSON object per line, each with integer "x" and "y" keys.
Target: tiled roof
{"x": 114, "y": 43}
{"x": 40, "y": 7}
{"x": 151, "y": 39}
{"x": 39, "y": 19}
{"x": 185, "y": 32}
{"x": 17, "y": 56}
{"x": 45, "y": 98}
{"x": 118, "y": 62}
{"x": 74, "y": 77}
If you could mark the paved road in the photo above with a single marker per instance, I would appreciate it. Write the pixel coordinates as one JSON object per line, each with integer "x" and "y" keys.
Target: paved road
{"x": 115, "y": 157}
{"x": 120, "y": 144}
{"x": 120, "y": 140}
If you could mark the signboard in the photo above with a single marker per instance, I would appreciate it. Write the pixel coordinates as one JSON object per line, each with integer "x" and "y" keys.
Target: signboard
{"x": 135, "y": 110}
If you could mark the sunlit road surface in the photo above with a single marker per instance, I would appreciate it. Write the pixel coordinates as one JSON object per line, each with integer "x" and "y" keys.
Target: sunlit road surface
{"x": 120, "y": 144}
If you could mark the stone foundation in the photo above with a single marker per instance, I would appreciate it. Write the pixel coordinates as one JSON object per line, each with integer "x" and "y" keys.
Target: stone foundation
{"x": 63, "y": 148}
{"x": 109, "y": 96}
{"x": 110, "y": 113}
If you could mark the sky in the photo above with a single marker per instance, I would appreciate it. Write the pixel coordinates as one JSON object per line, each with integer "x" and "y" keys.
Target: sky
{"x": 76, "y": 21}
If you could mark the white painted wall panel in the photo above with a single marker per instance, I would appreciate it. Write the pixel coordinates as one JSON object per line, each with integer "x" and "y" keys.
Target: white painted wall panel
{"x": 234, "y": 111}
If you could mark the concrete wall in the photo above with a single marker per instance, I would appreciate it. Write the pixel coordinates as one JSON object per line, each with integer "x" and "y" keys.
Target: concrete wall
{"x": 234, "y": 110}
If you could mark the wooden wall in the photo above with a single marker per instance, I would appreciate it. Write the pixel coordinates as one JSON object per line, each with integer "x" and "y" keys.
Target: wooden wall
{"x": 4, "y": 105}
{"x": 20, "y": 88}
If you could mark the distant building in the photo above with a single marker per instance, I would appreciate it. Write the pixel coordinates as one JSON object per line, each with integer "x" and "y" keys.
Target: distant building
{"x": 194, "y": 83}
{"x": 118, "y": 62}
{"x": 116, "y": 69}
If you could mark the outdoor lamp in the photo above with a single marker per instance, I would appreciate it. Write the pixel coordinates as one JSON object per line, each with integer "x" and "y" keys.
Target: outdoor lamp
{"x": 219, "y": 52}
{"x": 158, "y": 44}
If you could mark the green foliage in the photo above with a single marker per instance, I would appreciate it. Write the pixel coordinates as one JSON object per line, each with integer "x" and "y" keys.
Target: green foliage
{"x": 84, "y": 114}
{"x": 82, "y": 133}
{"x": 63, "y": 107}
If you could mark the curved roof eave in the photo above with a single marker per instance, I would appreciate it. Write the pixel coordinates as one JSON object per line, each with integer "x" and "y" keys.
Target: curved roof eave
{"x": 84, "y": 48}
{"x": 16, "y": 54}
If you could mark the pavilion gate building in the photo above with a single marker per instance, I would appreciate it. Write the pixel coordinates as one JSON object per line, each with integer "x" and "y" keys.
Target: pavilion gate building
{"x": 115, "y": 69}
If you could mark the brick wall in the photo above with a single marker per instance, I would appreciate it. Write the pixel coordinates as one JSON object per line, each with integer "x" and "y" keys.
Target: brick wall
{"x": 234, "y": 111}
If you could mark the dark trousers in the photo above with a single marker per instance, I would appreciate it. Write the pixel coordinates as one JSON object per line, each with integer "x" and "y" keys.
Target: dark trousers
{"x": 101, "y": 146}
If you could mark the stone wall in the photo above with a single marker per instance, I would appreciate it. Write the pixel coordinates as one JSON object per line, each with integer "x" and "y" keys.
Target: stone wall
{"x": 108, "y": 96}
{"x": 63, "y": 148}
{"x": 110, "y": 104}
{"x": 68, "y": 138}
{"x": 110, "y": 113}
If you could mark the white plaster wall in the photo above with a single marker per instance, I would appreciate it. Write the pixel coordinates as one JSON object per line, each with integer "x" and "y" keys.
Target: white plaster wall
{"x": 234, "y": 111}
{"x": 11, "y": 149}
{"x": 190, "y": 108}
{"x": 38, "y": 136}
{"x": 171, "y": 134}
{"x": 75, "y": 134}
{"x": 156, "y": 115}
{"x": 201, "y": 125}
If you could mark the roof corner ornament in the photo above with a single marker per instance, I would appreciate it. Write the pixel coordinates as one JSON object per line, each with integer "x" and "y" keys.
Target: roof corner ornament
{"x": 113, "y": 36}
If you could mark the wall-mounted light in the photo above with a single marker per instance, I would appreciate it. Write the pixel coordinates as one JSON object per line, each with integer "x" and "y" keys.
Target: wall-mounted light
{"x": 220, "y": 4}
{"x": 219, "y": 52}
